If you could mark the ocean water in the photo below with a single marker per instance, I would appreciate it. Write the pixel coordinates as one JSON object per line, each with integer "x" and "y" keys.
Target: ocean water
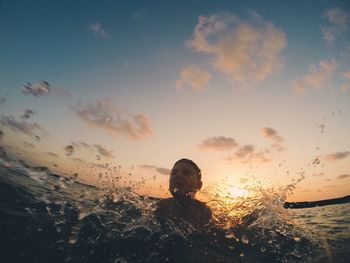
{"x": 47, "y": 218}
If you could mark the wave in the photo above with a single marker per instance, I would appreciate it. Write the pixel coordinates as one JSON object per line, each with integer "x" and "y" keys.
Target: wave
{"x": 45, "y": 216}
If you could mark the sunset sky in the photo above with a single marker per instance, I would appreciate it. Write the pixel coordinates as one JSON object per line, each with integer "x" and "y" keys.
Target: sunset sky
{"x": 255, "y": 92}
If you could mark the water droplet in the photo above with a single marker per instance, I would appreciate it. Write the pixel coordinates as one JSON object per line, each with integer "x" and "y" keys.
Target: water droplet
{"x": 241, "y": 254}
{"x": 244, "y": 239}
{"x": 115, "y": 198}
{"x": 230, "y": 235}
{"x": 72, "y": 240}
{"x": 262, "y": 249}
{"x": 297, "y": 239}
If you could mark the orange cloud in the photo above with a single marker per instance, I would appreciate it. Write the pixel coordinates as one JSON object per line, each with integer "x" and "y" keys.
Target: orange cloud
{"x": 192, "y": 77}
{"x": 318, "y": 77}
{"x": 338, "y": 21}
{"x": 218, "y": 143}
{"x": 247, "y": 153}
{"x": 271, "y": 134}
{"x": 346, "y": 86}
{"x": 337, "y": 156}
{"x": 102, "y": 114}
{"x": 343, "y": 176}
{"x": 244, "y": 50}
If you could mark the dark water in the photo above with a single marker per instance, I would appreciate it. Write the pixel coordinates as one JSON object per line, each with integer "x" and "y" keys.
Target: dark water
{"x": 44, "y": 218}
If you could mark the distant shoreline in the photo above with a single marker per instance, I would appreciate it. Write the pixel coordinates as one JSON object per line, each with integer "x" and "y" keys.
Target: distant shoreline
{"x": 308, "y": 204}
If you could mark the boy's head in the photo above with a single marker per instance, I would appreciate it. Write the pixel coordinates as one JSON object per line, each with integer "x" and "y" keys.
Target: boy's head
{"x": 185, "y": 179}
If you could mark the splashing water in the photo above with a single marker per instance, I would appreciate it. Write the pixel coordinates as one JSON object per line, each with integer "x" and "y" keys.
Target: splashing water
{"x": 49, "y": 216}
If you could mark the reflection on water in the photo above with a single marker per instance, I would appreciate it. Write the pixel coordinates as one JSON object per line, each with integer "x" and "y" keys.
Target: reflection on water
{"x": 50, "y": 218}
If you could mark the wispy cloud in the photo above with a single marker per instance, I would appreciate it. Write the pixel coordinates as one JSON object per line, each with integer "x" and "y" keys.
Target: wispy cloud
{"x": 218, "y": 143}
{"x": 98, "y": 30}
{"x": 343, "y": 176}
{"x": 244, "y": 151}
{"x": 337, "y": 23}
{"x": 160, "y": 170}
{"x": 104, "y": 115}
{"x": 193, "y": 77}
{"x": 337, "y": 156}
{"x": 142, "y": 15}
{"x": 244, "y": 50}
{"x": 247, "y": 153}
{"x": 103, "y": 151}
{"x": 318, "y": 77}
{"x": 272, "y": 134}
{"x": 37, "y": 89}
{"x": 22, "y": 126}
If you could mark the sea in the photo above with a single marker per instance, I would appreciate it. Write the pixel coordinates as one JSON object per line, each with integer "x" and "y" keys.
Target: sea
{"x": 50, "y": 218}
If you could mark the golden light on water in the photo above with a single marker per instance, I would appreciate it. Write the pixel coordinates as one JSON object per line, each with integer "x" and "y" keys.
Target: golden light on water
{"x": 237, "y": 192}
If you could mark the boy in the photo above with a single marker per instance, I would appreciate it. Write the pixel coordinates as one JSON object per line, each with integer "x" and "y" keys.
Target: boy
{"x": 185, "y": 181}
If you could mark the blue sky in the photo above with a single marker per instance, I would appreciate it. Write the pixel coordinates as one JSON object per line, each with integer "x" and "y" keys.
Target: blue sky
{"x": 180, "y": 79}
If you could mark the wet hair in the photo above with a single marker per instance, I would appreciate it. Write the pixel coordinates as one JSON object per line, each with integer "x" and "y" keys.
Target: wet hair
{"x": 193, "y": 164}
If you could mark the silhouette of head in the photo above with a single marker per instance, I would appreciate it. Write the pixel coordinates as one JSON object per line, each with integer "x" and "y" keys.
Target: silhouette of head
{"x": 185, "y": 179}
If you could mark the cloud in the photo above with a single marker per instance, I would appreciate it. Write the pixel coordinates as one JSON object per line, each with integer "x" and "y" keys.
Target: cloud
{"x": 103, "y": 115}
{"x": 192, "y": 77}
{"x": 160, "y": 170}
{"x": 338, "y": 21}
{"x": 22, "y": 126}
{"x": 343, "y": 176}
{"x": 272, "y": 134}
{"x": 142, "y": 16}
{"x": 277, "y": 147}
{"x": 103, "y": 151}
{"x": 244, "y": 50}
{"x": 75, "y": 146}
{"x": 337, "y": 156}
{"x": 244, "y": 151}
{"x": 98, "y": 30}
{"x": 247, "y": 153}
{"x": 37, "y": 89}
{"x": 218, "y": 143}
{"x": 318, "y": 77}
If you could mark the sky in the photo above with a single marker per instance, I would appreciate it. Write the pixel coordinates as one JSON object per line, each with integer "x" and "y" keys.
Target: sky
{"x": 257, "y": 93}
